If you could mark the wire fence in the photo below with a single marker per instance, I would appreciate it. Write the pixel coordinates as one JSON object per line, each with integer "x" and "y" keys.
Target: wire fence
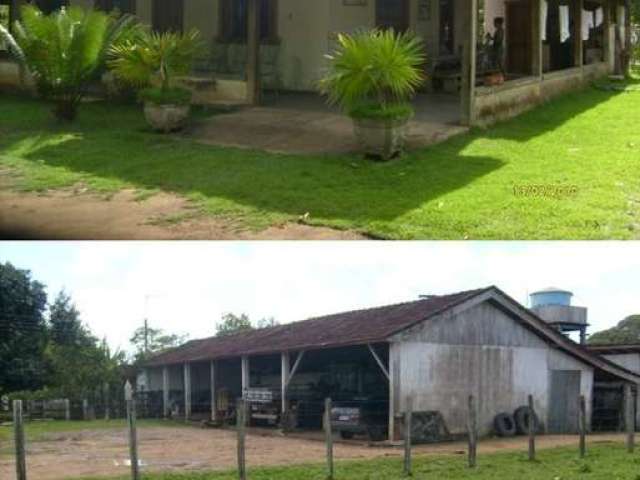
{"x": 133, "y": 446}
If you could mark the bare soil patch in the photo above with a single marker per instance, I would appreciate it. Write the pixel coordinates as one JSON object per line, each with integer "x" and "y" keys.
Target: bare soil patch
{"x": 104, "y": 452}
{"x": 73, "y": 215}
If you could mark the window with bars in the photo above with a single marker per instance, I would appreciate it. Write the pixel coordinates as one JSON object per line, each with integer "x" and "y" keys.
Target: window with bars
{"x": 233, "y": 21}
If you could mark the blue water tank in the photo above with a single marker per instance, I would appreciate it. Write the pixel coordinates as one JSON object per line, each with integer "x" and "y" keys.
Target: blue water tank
{"x": 551, "y": 296}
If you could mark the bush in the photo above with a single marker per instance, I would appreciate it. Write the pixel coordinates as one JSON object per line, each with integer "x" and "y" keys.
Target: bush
{"x": 375, "y": 72}
{"x": 64, "y": 51}
{"x": 169, "y": 96}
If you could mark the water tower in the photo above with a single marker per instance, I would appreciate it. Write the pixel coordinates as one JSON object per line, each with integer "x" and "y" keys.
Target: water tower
{"x": 553, "y": 305}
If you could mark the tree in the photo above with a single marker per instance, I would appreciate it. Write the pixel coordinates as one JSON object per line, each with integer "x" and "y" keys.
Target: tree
{"x": 625, "y": 332}
{"x": 23, "y": 330}
{"x": 232, "y": 323}
{"x": 149, "y": 341}
{"x": 64, "y": 51}
{"x": 65, "y": 327}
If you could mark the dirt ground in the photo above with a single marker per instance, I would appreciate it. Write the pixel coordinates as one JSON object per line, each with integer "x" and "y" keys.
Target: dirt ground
{"x": 104, "y": 452}
{"x": 73, "y": 215}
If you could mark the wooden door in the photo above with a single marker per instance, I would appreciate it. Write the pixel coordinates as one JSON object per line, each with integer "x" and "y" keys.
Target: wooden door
{"x": 168, "y": 15}
{"x": 392, "y": 14}
{"x": 564, "y": 401}
{"x": 518, "y": 37}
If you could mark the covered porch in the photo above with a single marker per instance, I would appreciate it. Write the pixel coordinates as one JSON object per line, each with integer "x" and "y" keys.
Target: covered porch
{"x": 303, "y": 123}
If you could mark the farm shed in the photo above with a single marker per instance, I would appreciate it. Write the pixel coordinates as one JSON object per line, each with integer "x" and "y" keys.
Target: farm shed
{"x": 609, "y": 397}
{"x": 438, "y": 349}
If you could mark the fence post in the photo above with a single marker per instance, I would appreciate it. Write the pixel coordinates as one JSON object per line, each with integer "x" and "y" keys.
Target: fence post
{"x": 18, "y": 427}
{"x": 472, "y": 428}
{"x": 532, "y": 430}
{"x": 241, "y": 412}
{"x": 407, "y": 435}
{"x": 105, "y": 393}
{"x": 133, "y": 438}
{"x": 629, "y": 420}
{"x": 67, "y": 409}
{"x": 583, "y": 426}
{"x": 328, "y": 437}
{"x": 85, "y": 409}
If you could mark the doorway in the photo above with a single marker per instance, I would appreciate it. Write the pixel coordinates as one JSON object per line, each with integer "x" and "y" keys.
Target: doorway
{"x": 518, "y": 37}
{"x": 564, "y": 401}
{"x": 392, "y": 14}
{"x": 168, "y": 15}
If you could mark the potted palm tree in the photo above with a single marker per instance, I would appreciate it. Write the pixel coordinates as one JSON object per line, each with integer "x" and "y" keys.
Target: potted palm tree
{"x": 64, "y": 51}
{"x": 372, "y": 76}
{"x": 152, "y": 60}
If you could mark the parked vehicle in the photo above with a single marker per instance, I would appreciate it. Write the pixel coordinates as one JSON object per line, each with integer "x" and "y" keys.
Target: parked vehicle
{"x": 264, "y": 406}
{"x": 362, "y": 416}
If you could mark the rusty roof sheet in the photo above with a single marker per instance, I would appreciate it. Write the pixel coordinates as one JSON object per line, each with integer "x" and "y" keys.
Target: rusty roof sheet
{"x": 349, "y": 328}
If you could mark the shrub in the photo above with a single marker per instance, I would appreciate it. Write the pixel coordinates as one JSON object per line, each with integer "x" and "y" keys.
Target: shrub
{"x": 169, "y": 96}
{"x": 64, "y": 51}
{"x": 154, "y": 59}
{"x": 374, "y": 72}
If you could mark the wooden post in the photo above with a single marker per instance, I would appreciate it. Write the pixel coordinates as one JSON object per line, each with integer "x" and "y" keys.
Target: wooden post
{"x": 214, "y": 400}
{"x": 532, "y": 430}
{"x": 105, "y": 393}
{"x": 285, "y": 370}
{"x": 578, "y": 47}
{"x": 629, "y": 418}
{"x": 407, "y": 435}
{"x": 133, "y": 438}
{"x": 246, "y": 381}
{"x": 241, "y": 412}
{"x": 187, "y": 391}
{"x": 67, "y": 409}
{"x": 328, "y": 435}
{"x": 165, "y": 392}
{"x": 253, "y": 52}
{"x": 85, "y": 409}
{"x": 536, "y": 38}
{"x": 606, "y": 45}
{"x": 472, "y": 428}
{"x": 18, "y": 429}
{"x": 582, "y": 425}
{"x": 469, "y": 16}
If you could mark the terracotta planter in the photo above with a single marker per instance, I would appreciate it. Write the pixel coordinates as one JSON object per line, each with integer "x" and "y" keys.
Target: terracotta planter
{"x": 166, "y": 118}
{"x": 381, "y": 138}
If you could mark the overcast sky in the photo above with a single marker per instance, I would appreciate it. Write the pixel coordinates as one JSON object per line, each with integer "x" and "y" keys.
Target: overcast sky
{"x": 188, "y": 286}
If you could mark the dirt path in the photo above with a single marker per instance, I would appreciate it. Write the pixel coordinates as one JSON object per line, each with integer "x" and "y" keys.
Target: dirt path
{"x": 69, "y": 215}
{"x": 103, "y": 452}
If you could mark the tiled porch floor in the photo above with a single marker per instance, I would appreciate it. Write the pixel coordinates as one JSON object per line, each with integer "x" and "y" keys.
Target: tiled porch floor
{"x": 303, "y": 123}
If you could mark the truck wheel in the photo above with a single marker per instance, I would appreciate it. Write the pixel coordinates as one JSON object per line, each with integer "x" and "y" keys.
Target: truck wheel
{"x": 375, "y": 433}
{"x": 346, "y": 435}
{"x": 504, "y": 425}
{"x": 522, "y": 416}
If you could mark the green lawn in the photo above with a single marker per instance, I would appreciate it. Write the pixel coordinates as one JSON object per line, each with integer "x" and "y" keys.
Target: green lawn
{"x": 585, "y": 145}
{"x": 605, "y": 462}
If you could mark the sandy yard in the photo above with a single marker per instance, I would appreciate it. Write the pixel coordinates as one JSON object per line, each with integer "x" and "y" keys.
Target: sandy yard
{"x": 104, "y": 452}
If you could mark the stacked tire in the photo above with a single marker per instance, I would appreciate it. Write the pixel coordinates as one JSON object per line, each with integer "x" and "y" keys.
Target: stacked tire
{"x": 508, "y": 425}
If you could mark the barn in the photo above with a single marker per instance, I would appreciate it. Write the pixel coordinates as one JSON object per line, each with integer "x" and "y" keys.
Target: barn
{"x": 436, "y": 350}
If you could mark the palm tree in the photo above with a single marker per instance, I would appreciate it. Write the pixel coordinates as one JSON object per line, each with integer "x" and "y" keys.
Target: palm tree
{"x": 64, "y": 51}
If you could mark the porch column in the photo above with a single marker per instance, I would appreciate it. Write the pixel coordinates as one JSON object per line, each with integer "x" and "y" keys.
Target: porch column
{"x": 577, "y": 33}
{"x": 285, "y": 371}
{"x": 187, "y": 391}
{"x": 165, "y": 391}
{"x": 253, "y": 52}
{"x": 245, "y": 375}
{"x": 536, "y": 38}
{"x": 392, "y": 406}
{"x": 214, "y": 405}
{"x": 607, "y": 44}
{"x": 468, "y": 86}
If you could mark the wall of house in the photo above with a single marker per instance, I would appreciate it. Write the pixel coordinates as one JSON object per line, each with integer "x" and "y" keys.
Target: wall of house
{"x": 482, "y": 352}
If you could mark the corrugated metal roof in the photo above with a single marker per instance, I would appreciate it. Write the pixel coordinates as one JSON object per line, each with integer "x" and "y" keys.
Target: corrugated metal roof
{"x": 349, "y": 328}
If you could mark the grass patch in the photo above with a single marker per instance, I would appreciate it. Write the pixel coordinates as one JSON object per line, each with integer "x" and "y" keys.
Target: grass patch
{"x": 603, "y": 463}
{"x": 567, "y": 170}
{"x": 39, "y": 430}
